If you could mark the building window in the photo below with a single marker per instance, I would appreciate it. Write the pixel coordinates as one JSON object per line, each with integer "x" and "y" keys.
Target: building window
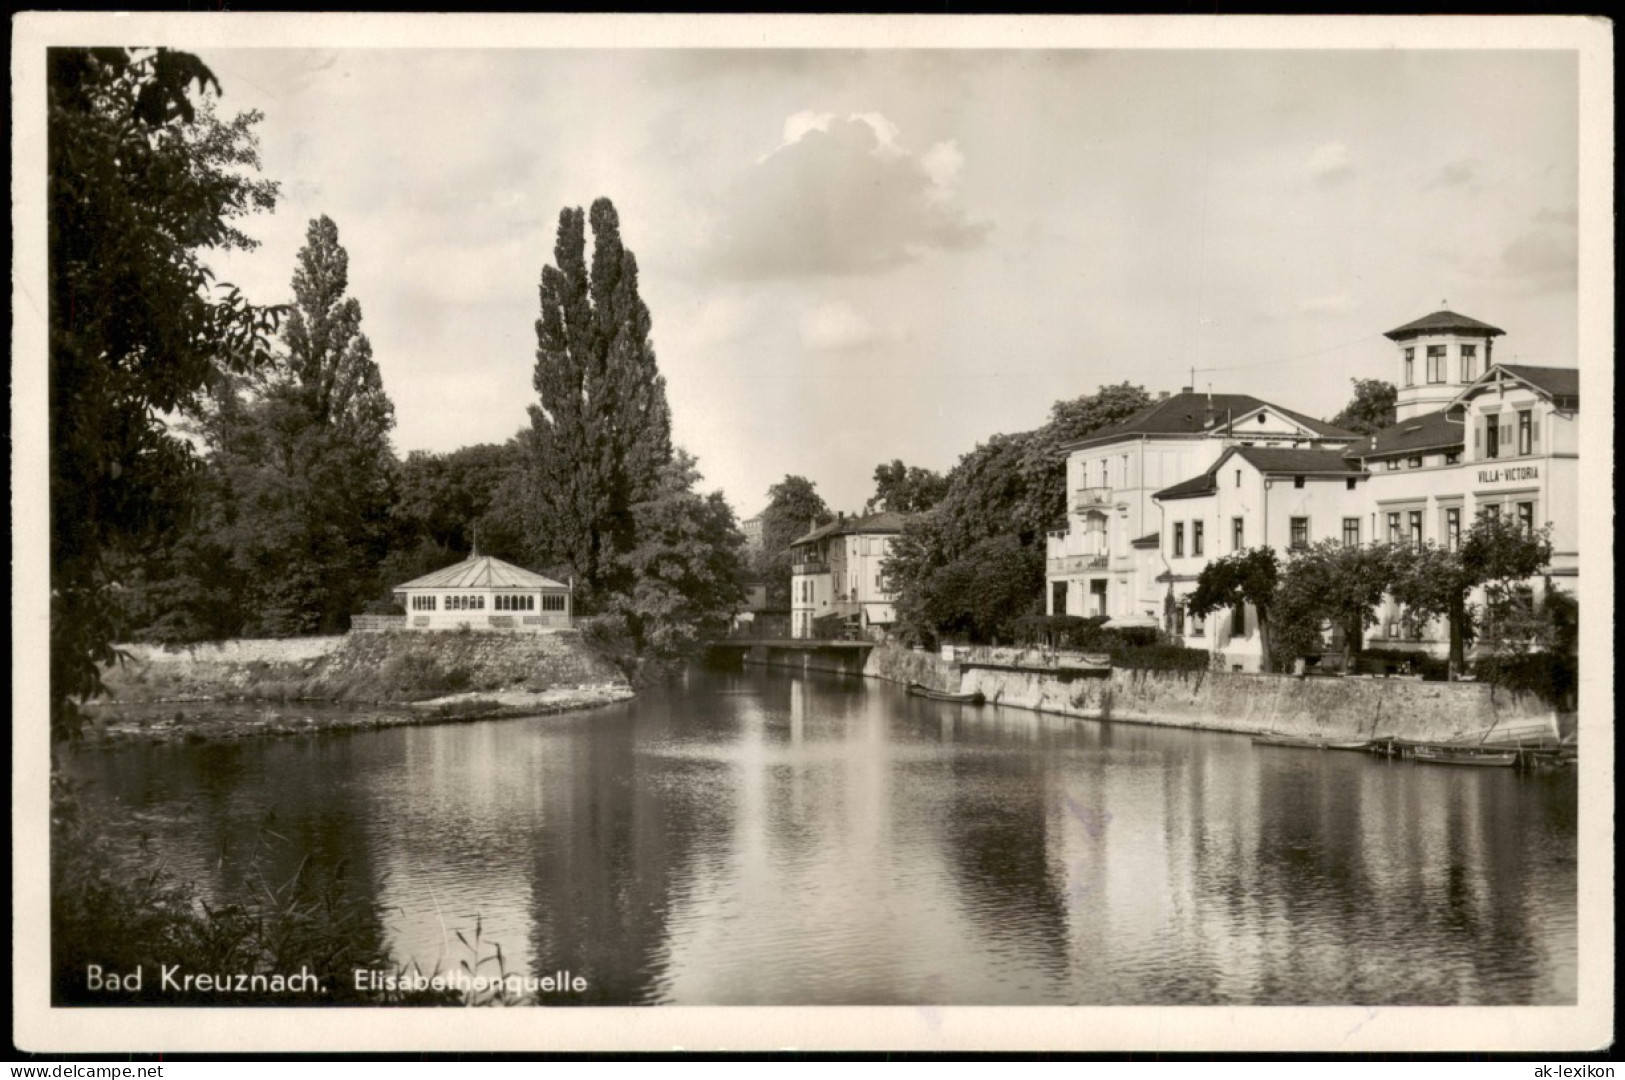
{"x": 1198, "y": 627}
{"x": 1469, "y": 363}
{"x": 553, "y": 602}
{"x": 1297, "y": 481}
{"x": 1238, "y": 621}
{"x": 1179, "y": 539}
{"x": 1436, "y": 373}
{"x": 1492, "y": 438}
{"x": 1526, "y": 442}
{"x": 1391, "y": 465}
{"x": 1452, "y": 457}
{"x": 1196, "y": 538}
{"x": 1414, "y": 462}
{"x": 1057, "y": 598}
{"x": 1410, "y": 367}
{"x": 1351, "y": 532}
{"x": 1238, "y": 477}
{"x": 1452, "y": 527}
{"x": 1237, "y": 534}
{"x": 1349, "y": 483}
{"x": 1300, "y": 532}
{"x": 422, "y": 603}
{"x": 1526, "y": 516}
{"x": 1393, "y": 527}
{"x": 1416, "y": 529}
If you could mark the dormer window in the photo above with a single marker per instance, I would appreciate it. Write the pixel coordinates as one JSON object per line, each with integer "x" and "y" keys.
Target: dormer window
{"x": 1415, "y": 462}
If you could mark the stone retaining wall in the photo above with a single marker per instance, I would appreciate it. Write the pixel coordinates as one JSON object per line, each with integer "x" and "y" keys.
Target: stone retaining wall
{"x": 1348, "y": 708}
{"x": 402, "y": 665}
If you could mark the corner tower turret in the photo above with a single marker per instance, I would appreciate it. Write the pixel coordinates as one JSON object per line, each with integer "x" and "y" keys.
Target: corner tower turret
{"x": 1438, "y": 355}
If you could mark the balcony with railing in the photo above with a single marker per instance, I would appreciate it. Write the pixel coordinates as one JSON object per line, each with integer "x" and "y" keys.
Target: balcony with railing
{"x": 811, "y": 566}
{"x": 1091, "y": 498}
{"x": 1069, "y": 552}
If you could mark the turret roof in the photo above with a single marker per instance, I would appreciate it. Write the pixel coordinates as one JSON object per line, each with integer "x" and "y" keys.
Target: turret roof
{"x": 1443, "y": 322}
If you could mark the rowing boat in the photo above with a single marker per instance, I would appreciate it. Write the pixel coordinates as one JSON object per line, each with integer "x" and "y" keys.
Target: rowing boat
{"x": 973, "y": 698}
{"x": 1308, "y": 743}
{"x": 1439, "y": 755}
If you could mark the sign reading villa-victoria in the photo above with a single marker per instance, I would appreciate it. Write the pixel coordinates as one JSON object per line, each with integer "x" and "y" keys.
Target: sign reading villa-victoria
{"x": 1519, "y": 472}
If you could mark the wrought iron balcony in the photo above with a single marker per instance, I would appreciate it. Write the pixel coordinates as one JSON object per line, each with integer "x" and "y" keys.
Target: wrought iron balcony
{"x": 1066, "y": 564}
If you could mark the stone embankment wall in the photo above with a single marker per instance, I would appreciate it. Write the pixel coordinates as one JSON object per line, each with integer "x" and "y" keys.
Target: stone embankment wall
{"x": 362, "y": 667}
{"x": 1352, "y": 708}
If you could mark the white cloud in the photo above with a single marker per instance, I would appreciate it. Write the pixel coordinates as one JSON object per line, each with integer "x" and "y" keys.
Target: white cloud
{"x": 841, "y": 196}
{"x": 837, "y": 325}
{"x": 1329, "y": 164}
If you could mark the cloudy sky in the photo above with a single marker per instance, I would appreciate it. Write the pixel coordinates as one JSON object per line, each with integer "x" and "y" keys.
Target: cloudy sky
{"x": 852, "y": 256}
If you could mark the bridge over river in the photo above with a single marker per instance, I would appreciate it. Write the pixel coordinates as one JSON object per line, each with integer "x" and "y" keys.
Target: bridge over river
{"x": 803, "y": 654}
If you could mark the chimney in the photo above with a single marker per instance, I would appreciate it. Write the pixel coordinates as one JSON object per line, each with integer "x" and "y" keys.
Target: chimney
{"x": 1162, "y": 395}
{"x": 1187, "y": 389}
{"x": 1208, "y": 414}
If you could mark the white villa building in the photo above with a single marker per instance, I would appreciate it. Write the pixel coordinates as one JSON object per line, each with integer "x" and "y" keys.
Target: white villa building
{"x": 484, "y": 593}
{"x": 835, "y": 570}
{"x": 1196, "y": 477}
{"x": 1107, "y": 560}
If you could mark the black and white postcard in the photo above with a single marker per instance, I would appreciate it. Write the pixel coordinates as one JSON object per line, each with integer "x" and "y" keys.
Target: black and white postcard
{"x": 609, "y": 532}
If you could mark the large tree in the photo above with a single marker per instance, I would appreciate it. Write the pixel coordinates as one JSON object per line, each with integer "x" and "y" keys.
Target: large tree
{"x": 601, "y": 431}
{"x": 1497, "y": 553}
{"x": 1329, "y": 583}
{"x": 303, "y": 453}
{"x": 794, "y": 507}
{"x": 906, "y": 489}
{"x": 1247, "y": 577}
{"x": 141, "y": 183}
{"x": 1370, "y": 409}
{"x": 688, "y": 565}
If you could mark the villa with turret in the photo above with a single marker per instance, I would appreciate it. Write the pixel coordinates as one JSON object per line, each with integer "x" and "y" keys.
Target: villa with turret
{"x": 1195, "y": 477}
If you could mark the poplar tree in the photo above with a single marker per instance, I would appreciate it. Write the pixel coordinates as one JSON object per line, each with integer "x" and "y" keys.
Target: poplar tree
{"x": 304, "y": 459}
{"x": 601, "y": 430}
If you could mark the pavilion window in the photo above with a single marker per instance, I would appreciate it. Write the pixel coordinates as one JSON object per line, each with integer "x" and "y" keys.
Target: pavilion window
{"x": 1436, "y": 364}
{"x": 1410, "y": 367}
{"x": 1469, "y": 363}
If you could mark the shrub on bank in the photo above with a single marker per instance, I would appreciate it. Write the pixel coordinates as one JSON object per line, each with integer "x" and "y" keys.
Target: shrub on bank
{"x": 1554, "y": 677}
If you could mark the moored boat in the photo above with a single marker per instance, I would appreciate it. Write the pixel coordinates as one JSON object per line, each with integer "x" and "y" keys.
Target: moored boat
{"x": 973, "y": 698}
{"x": 1445, "y": 755}
{"x": 1309, "y": 743}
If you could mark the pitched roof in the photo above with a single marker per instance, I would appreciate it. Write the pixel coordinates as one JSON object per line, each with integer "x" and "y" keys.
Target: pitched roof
{"x": 1442, "y": 322}
{"x": 482, "y": 572}
{"x": 1187, "y": 414}
{"x": 1275, "y": 460}
{"x": 1266, "y": 459}
{"x": 1556, "y": 381}
{"x": 1430, "y": 431}
{"x": 883, "y": 521}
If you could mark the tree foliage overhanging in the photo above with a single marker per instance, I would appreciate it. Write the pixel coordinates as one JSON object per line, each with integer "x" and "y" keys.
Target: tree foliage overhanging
{"x": 142, "y": 179}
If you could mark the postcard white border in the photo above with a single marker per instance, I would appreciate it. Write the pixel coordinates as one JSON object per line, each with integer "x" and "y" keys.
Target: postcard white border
{"x": 38, "y": 1027}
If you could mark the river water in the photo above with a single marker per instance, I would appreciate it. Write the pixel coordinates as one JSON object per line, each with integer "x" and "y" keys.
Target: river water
{"x": 762, "y": 838}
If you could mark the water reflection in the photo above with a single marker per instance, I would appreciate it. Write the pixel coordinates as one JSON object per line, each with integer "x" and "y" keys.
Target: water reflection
{"x": 762, "y": 838}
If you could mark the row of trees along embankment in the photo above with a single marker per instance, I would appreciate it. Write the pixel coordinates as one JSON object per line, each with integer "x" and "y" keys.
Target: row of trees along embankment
{"x": 222, "y": 468}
